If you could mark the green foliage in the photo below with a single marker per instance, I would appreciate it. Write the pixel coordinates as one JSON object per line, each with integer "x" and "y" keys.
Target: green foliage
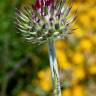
{"x": 19, "y": 60}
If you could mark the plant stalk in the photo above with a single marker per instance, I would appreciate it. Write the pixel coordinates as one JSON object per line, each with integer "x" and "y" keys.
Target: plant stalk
{"x": 54, "y": 69}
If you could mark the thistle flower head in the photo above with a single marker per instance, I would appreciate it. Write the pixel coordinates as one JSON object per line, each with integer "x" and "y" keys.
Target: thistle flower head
{"x": 46, "y": 19}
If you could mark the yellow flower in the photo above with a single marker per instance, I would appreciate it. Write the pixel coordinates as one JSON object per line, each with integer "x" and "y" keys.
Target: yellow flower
{"x": 45, "y": 85}
{"x": 67, "y": 92}
{"x": 85, "y": 44}
{"x": 65, "y": 65}
{"x": 75, "y": 6}
{"x": 79, "y": 32}
{"x": 92, "y": 15}
{"x": 74, "y": 82}
{"x": 78, "y": 58}
{"x": 62, "y": 60}
{"x": 92, "y": 69}
{"x": 85, "y": 20}
{"x": 41, "y": 74}
{"x": 78, "y": 73}
{"x": 78, "y": 91}
{"x": 93, "y": 39}
{"x": 45, "y": 79}
{"x": 92, "y": 12}
{"x": 60, "y": 44}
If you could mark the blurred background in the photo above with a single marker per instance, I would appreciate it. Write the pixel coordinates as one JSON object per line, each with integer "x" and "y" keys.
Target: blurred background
{"x": 24, "y": 67}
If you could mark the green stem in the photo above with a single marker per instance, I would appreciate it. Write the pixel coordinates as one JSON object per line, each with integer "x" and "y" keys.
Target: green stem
{"x": 54, "y": 69}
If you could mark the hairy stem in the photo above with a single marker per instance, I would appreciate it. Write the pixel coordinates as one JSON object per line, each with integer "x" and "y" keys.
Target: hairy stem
{"x": 54, "y": 69}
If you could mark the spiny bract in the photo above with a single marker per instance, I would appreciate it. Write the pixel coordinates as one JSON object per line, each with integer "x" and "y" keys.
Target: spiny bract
{"x": 45, "y": 20}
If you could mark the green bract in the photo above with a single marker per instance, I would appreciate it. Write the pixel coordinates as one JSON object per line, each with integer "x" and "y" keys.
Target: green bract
{"x": 55, "y": 22}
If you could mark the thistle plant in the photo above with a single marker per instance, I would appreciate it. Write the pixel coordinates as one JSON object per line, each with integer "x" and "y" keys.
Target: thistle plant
{"x": 46, "y": 21}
